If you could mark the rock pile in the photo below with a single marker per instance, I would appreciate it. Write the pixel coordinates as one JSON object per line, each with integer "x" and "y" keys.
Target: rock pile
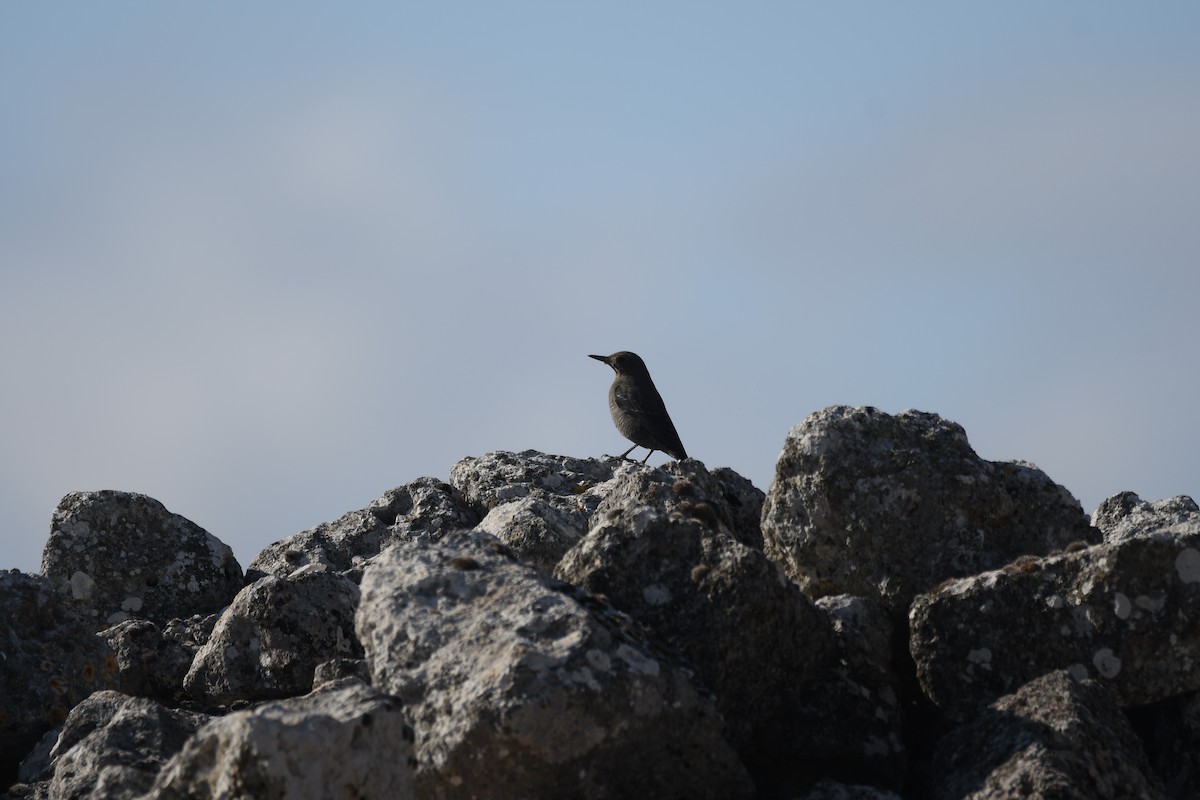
{"x": 894, "y": 618}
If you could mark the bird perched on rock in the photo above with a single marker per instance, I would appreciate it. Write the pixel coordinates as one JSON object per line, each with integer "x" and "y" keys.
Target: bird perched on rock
{"x": 637, "y": 408}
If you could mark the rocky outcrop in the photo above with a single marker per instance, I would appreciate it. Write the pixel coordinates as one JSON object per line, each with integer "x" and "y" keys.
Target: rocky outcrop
{"x": 870, "y": 504}
{"x": 521, "y": 686}
{"x": 425, "y": 509}
{"x": 117, "y": 555}
{"x": 270, "y": 640}
{"x": 908, "y": 621}
{"x": 345, "y": 739}
{"x": 1055, "y": 737}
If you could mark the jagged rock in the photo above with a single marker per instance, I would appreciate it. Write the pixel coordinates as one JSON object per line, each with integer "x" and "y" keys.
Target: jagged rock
{"x": 535, "y": 503}
{"x": 866, "y": 503}
{"x": 150, "y": 662}
{"x": 756, "y": 640}
{"x": 1055, "y": 737}
{"x": 1126, "y": 515}
{"x": 335, "y": 669}
{"x": 425, "y": 509}
{"x": 112, "y": 746}
{"x": 832, "y": 790}
{"x": 521, "y": 686}
{"x": 1126, "y": 614}
{"x": 343, "y": 740}
{"x": 271, "y": 638}
{"x": 117, "y": 555}
{"x": 49, "y": 660}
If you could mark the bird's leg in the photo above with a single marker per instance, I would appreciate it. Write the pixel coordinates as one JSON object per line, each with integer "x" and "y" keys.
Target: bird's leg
{"x": 647, "y": 458}
{"x": 625, "y": 455}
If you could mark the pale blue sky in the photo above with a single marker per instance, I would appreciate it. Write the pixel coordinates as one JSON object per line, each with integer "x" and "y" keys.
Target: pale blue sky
{"x": 265, "y": 263}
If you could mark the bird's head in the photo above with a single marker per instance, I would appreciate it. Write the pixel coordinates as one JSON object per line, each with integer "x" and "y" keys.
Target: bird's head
{"x": 624, "y": 363}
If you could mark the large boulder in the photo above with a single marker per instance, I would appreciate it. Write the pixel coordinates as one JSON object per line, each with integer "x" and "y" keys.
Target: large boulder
{"x": 521, "y": 686}
{"x": 112, "y": 746}
{"x": 1126, "y": 515}
{"x": 866, "y": 503}
{"x": 49, "y": 660}
{"x": 117, "y": 555}
{"x": 270, "y": 640}
{"x": 152, "y": 660}
{"x": 425, "y": 509}
{"x": 757, "y": 642}
{"x": 1056, "y": 737}
{"x": 345, "y": 739}
{"x": 1125, "y": 614}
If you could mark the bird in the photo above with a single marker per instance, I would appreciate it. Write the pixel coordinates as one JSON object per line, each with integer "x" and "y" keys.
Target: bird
{"x": 637, "y": 408}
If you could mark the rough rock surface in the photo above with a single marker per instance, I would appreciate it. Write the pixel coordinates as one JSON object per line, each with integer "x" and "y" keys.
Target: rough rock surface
{"x": 151, "y": 662}
{"x": 1125, "y": 515}
{"x": 425, "y": 509}
{"x": 832, "y": 790}
{"x": 1055, "y": 737}
{"x": 756, "y": 640}
{"x": 49, "y": 661}
{"x": 1124, "y": 614}
{"x": 866, "y": 503}
{"x": 112, "y": 746}
{"x": 117, "y": 555}
{"x": 272, "y": 637}
{"x": 344, "y": 740}
{"x": 519, "y": 685}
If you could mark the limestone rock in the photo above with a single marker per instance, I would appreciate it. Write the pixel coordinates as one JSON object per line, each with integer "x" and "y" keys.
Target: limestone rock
{"x": 272, "y": 637}
{"x": 866, "y": 503}
{"x": 117, "y": 555}
{"x": 1126, "y": 515}
{"x": 1125, "y": 614}
{"x": 344, "y": 739}
{"x": 425, "y": 509}
{"x": 50, "y": 660}
{"x": 1054, "y": 738}
{"x": 112, "y": 746}
{"x": 150, "y": 662}
{"x": 521, "y": 686}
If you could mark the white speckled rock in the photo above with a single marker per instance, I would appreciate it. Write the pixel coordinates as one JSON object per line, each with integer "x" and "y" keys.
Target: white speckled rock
{"x": 1126, "y": 515}
{"x": 870, "y": 504}
{"x": 522, "y": 686}
{"x": 343, "y": 740}
{"x": 1125, "y": 614}
{"x": 119, "y": 555}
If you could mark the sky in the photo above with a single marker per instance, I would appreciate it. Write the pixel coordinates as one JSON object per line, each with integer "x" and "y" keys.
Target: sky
{"x": 264, "y": 262}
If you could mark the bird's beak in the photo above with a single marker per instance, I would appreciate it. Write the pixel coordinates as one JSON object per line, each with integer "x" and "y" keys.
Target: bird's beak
{"x": 601, "y": 358}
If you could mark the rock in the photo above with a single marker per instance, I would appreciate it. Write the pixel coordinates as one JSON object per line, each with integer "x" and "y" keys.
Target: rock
{"x": 112, "y": 746}
{"x": 870, "y": 504}
{"x": 49, "y": 660}
{"x": 537, "y": 504}
{"x": 271, "y": 638}
{"x": 343, "y": 740}
{"x": 1126, "y": 515}
{"x": 425, "y": 509}
{"x": 1125, "y": 614}
{"x": 1055, "y": 737}
{"x": 521, "y": 686}
{"x": 1170, "y": 733}
{"x": 757, "y": 642}
{"x": 335, "y": 669}
{"x": 832, "y": 790}
{"x": 117, "y": 555}
{"x": 150, "y": 662}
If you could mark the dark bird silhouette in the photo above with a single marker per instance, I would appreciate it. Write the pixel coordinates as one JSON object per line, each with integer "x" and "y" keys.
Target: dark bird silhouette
{"x": 637, "y": 408}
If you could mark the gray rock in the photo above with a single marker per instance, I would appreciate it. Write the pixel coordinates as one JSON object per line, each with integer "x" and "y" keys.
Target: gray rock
{"x": 271, "y": 638}
{"x": 535, "y": 503}
{"x": 335, "y": 669}
{"x": 112, "y": 746}
{"x": 423, "y": 510}
{"x": 866, "y": 503}
{"x": 757, "y": 642}
{"x": 521, "y": 686}
{"x": 1126, "y": 515}
{"x": 1170, "y": 733}
{"x": 49, "y": 660}
{"x": 117, "y": 555}
{"x": 1126, "y": 614}
{"x": 343, "y": 740}
{"x": 1054, "y": 738}
{"x": 150, "y": 663}
{"x": 832, "y": 790}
